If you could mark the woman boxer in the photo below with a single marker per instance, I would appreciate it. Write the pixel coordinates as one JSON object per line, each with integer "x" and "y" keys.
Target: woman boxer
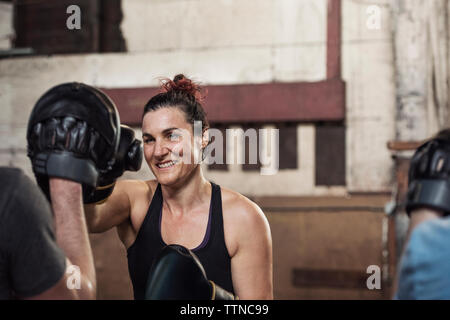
{"x": 227, "y": 232}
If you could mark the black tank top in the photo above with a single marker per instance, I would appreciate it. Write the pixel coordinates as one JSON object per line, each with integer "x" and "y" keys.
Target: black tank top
{"x": 212, "y": 252}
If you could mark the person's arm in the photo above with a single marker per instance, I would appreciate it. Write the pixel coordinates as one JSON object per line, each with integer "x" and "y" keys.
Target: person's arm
{"x": 421, "y": 215}
{"x": 71, "y": 233}
{"x": 251, "y": 265}
{"x": 39, "y": 259}
{"x": 112, "y": 212}
{"x": 427, "y": 199}
{"x": 417, "y": 217}
{"x": 72, "y": 238}
{"x": 110, "y": 205}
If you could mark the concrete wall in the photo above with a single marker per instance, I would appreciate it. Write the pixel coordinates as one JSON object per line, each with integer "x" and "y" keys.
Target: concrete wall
{"x": 332, "y": 240}
{"x": 368, "y": 69}
{"x": 6, "y": 25}
{"x": 233, "y": 42}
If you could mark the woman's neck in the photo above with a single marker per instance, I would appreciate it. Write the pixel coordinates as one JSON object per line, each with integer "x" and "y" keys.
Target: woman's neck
{"x": 181, "y": 199}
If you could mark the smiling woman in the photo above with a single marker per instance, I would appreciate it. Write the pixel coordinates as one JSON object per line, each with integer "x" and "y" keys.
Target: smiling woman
{"x": 171, "y": 147}
{"x": 228, "y": 233}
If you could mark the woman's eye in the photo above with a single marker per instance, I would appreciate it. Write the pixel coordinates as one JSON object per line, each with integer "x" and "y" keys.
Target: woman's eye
{"x": 174, "y": 136}
{"x": 148, "y": 140}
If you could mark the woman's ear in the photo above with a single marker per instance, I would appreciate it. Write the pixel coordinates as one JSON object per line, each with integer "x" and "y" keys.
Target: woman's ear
{"x": 205, "y": 138}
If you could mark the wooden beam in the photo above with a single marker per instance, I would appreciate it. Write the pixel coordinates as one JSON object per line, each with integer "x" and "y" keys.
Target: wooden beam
{"x": 343, "y": 279}
{"x": 403, "y": 145}
{"x": 334, "y": 39}
{"x": 272, "y": 102}
{"x": 323, "y": 203}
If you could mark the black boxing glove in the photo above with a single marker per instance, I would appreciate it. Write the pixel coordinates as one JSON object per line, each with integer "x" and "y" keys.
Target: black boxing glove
{"x": 73, "y": 133}
{"x": 128, "y": 158}
{"x": 177, "y": 274}
{"x": 429, "y": 175}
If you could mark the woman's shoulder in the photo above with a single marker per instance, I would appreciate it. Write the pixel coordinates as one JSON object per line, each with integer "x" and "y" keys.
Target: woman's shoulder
{"x": 244, "y": 221}
{"x": 233, "y": 198}
{"x": 138, "y": 188}
{"x": 237, "y": 206}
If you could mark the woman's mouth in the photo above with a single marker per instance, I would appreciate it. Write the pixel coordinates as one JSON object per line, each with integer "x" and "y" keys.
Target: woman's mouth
{"x": 166, "y": 164}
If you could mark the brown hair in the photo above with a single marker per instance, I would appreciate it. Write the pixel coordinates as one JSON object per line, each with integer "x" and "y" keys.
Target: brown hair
{"x": 182, "y": 93}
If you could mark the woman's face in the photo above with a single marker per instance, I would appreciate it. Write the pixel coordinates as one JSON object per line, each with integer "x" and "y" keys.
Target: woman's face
{"x": 169, "y": 145}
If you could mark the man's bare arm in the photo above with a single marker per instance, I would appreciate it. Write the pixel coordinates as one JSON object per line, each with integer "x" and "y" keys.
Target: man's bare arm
{"x": 72, "y": 237}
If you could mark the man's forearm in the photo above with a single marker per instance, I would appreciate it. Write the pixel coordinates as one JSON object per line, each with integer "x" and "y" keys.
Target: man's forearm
{"x": 421, "y": 215}
{"x": 71, "y": 230}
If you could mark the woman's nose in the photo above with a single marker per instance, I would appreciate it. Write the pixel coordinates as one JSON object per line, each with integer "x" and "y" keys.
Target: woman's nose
{"x": 160, "y": 148}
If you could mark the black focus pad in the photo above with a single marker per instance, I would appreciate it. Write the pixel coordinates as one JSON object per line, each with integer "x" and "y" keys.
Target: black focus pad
{"x": 67, "y": 134}
{"x": 429, "y": 175}
{"x": 66, "y": 148}
{"x": 73, "y": 133}
{"x": 177, "y": 274}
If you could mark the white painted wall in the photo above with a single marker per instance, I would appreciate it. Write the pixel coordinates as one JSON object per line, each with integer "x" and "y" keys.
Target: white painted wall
{"x": 368, "y": 69}
{"x": 6, "y": 25}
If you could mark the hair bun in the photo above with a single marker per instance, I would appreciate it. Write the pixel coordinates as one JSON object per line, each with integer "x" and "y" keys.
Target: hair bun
{"x": 183, "y": 85}
{"x": 179, "y": 77}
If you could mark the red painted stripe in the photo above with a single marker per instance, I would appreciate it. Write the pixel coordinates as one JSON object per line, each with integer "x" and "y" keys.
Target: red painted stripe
{"x": 273, "y": 102}
{"x": 130, "y": 102}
